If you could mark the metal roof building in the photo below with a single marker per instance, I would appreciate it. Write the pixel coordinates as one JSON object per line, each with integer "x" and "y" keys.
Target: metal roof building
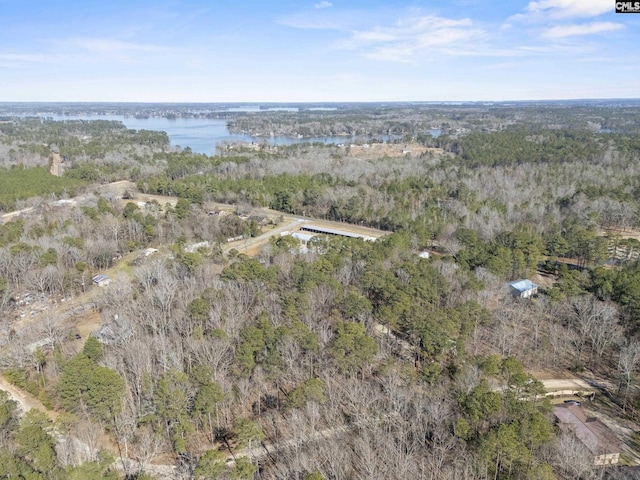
{"x": 524, "y": 288}
{"x": 334, "y": 231}
{"x": 595, "y": 435}
{"x": 303, "y": 237}
{"x": 101, "y": 280}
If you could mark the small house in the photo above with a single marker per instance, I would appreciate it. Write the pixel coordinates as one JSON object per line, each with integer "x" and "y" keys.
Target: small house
{"x": 523, "y": 288}
{"x": 303, "y": 238}
{"x": 595, "y": 435}
{"x": 101, "y": 280}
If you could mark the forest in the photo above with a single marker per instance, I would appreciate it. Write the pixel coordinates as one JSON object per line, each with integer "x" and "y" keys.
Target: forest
{"x": 224, "y": 349}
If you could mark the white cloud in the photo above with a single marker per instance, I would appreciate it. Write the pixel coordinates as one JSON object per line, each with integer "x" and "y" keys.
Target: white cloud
{"x": 25, "y": 57}
{"x": 28, "y": 60}
{"x": 550, "y": 50}
{"x": 323, "y": 4}
{"x": 563, "y": 31}
{"x": 415, "y": 38}
{"x": 101, "y": 45}
{"x": 317, "y": 22}
{"x": 567, "y": 8}
{"x": 87, "y": 50}
{"x": 93, "y": 50}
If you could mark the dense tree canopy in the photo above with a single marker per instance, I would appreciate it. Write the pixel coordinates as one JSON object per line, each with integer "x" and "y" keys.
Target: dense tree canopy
{"x": 348, "y": 359}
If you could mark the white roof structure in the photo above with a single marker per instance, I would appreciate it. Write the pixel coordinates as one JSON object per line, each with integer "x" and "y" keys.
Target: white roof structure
{"x": 303, "y": 237}
{"x": 334, "y": 231}
{"x": 523, "y": 285}
{"x": 100, "y": 278}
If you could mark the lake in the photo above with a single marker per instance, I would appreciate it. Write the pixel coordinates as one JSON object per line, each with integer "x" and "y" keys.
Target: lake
{"x": 203, "y": 134}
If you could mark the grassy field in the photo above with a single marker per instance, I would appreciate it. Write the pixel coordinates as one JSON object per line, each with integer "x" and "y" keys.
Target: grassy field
{"x": 17, "y": 184}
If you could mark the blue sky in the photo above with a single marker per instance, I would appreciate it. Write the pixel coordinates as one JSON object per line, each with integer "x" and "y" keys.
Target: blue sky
{"x": 318, "y": 50}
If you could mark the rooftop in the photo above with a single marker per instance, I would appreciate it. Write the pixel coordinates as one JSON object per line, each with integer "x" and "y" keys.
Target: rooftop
{"x": 594, "y": 434}
{"x": 305, "y": 237}
{"x": 523, "y": 285}
{"x": 333, "y": 231}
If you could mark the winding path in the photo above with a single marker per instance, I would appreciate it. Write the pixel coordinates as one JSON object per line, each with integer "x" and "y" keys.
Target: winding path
{"x": 24, "y": 399}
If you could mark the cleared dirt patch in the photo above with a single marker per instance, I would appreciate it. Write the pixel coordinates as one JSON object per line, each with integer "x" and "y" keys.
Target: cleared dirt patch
{"x": 566, "y": 386}
{"x": 24, "y": 399}
{"x": 56, "y": 165}
{"x": 374, "y": 151}
{"x": 87, "y": 323}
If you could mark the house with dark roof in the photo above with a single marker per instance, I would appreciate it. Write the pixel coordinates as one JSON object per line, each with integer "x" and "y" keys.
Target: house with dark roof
{"x": 595, "y": 435}
{"x": 523, "y": 288}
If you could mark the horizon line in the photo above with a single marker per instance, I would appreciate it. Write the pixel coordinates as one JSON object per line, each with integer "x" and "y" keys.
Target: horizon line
{"x": 324, "y": 102}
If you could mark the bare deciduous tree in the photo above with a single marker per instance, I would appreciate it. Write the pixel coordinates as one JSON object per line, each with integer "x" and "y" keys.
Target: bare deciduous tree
{"x": 594, "y": 321}
{"x": 628, "y": 363}
{"x": 571, "y": 457}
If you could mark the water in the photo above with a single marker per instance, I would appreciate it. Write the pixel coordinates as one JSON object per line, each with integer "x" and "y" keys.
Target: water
{"x": 203, "y": 134}
{"x": 200, "y": 134}
{"x": 258, "y": 108}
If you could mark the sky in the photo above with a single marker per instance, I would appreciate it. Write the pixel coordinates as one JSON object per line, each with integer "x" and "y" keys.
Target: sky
{"x": 316, "y": 50}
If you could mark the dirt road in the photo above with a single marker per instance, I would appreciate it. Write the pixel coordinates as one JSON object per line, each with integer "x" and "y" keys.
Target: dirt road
{"x": 56, "y": 165}
{"x": 9, "y": 216}
{"x": 250, "y": 244}
{"x": 566, "y": 386}
{"x": 24, "y": 399}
